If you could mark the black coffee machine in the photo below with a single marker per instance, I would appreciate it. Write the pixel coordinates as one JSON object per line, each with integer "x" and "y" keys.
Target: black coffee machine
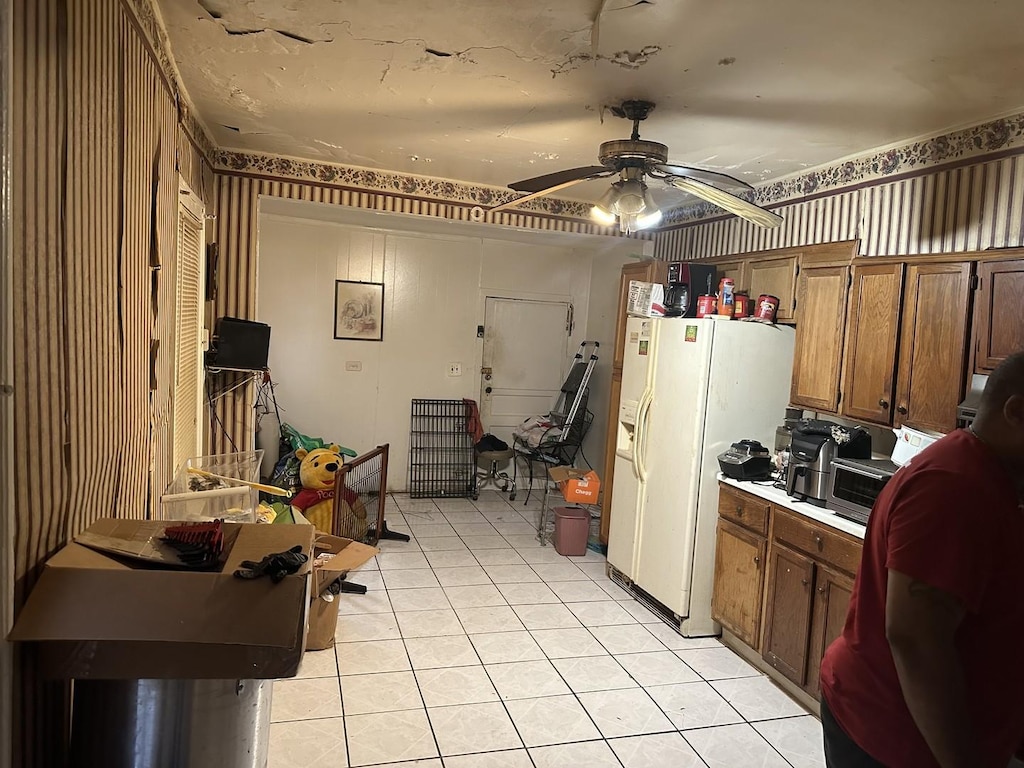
{"x": 686, "y": 281}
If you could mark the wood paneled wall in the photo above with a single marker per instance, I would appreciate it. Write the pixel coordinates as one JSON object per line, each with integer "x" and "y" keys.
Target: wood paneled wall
{"x": 967, "y": 208}
{"x": 97, "y": 147}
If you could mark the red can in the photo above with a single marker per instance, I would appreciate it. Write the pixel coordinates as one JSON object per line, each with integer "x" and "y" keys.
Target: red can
{"x": 706, "y": 305}
{"x": 741, "y": 309}
{"x": 767, "y": 307}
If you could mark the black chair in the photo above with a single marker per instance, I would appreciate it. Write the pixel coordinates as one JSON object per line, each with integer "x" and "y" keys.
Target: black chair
{"x": 558, "y": 450}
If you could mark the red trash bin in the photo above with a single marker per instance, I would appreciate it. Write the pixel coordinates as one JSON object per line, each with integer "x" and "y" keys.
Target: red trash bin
{"x": 572, "y": 529}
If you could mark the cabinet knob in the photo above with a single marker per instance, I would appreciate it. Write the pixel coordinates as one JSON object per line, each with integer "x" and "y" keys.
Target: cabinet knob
{"x": 739, "y": 511}
{"x": 757, "y": 559}
{"x": 805, "y": 582}
{"x": 818, "y": 540}
{"x": 883, "y": 403}
{"x": 902, "y": 409}
{"x": 821, "y": 590}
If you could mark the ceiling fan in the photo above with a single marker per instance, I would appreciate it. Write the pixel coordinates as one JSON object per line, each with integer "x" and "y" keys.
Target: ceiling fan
{"x": 628, "y": 201}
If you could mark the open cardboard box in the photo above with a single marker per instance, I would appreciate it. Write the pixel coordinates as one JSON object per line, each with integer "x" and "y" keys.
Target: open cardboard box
{"x": 576, "y": 485}
{"x": 323, "y": 614}
{"x": 99, "y": 616}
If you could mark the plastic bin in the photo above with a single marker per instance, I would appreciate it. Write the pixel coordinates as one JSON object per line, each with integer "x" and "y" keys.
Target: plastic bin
{"x": 572, "y": 529}
{"x": 185, "y": 498}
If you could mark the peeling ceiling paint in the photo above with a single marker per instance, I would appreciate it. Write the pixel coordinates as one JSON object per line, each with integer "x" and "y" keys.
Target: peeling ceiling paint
{"x": 492, "y": 91}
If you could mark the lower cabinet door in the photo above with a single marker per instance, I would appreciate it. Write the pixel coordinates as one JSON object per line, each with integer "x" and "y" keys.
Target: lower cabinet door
{"x": 739, "y": 581}
{"x": 788, "y": 620}
{"x": 832, "y": 593}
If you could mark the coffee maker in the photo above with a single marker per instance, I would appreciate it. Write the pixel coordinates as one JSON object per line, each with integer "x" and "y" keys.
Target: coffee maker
{"x": 815, "y": 443}
{"x": 686, "y": 281}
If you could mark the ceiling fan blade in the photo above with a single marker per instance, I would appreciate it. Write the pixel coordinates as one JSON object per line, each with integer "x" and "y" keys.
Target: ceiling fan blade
{"x": 548, "y": 180}
{"x": 548, "y": 191}
{"x": 752, "y": 213}
{"x": 700, "y": 174}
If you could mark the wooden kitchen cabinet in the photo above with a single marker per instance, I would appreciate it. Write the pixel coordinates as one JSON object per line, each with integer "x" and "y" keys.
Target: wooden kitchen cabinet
{"x": 788, "y": 612}
{"x": 614, "y": 395}
{"x": 871, "y": 336}
{"x": 832, "y": 593}
{"x": 739, "y": 581}
{"x": 933, "y": 344}
{"x": 998, "y": 320}
{"x": 647, "y": 272}
{"x": 820, "y": 327}
{"x": 738, "y": 270}
{"x": 777, "y": 277}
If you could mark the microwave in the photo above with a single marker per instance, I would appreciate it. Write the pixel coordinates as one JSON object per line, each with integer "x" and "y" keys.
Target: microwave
{"x": 855, "y": 485}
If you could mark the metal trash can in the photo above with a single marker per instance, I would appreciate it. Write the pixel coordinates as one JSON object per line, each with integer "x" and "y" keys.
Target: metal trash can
{"x": 170, "y": 723}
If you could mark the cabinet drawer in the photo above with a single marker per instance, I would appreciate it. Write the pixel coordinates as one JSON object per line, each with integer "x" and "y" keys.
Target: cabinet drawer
{"x": 743, "y": 509}
{"x": 815, "y": 540}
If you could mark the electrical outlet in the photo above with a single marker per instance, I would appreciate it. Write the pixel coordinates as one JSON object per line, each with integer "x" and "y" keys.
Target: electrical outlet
{"x": 454, "y": 369}
{"x": 353, "y": 365}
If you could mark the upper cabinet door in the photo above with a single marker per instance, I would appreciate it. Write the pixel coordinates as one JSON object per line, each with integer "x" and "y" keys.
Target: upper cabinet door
{"x": 820, "y": 323}
{"x": 998, "y": 318}
{"x": 776, "y": 277}
{"x": 933, "y": 345}
{"x": 645, "y": 272}
{"x": 871, "y": 342}
{"x": 739, "y": 271}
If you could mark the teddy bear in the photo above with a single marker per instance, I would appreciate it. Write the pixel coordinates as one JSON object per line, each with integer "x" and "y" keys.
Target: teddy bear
{"x": 316, "y": 500}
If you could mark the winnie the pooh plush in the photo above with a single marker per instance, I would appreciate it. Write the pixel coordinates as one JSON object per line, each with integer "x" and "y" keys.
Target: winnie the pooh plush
{"x": 316, "y": 501}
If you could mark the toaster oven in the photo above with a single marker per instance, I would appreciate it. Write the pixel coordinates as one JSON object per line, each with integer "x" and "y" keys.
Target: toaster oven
{"x": 855, "y": 485}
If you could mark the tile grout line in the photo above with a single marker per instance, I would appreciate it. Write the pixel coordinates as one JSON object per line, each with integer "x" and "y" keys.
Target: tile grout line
{"x": 562, "y": 602}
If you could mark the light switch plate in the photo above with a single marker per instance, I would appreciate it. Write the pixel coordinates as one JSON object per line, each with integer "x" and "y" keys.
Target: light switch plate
{"x": 353, "y": 365}
{"x": 454, "y": 369}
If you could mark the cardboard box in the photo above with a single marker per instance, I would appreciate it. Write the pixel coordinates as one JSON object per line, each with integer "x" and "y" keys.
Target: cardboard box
{"x": 323, "y": 614}
{"x": 99, "y": 616}
{"x": 645, "y": 299}
{"x": 575, "y": 484}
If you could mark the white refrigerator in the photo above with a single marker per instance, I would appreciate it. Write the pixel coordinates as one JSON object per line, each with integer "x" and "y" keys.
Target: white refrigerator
{"x": 690, "y": 388}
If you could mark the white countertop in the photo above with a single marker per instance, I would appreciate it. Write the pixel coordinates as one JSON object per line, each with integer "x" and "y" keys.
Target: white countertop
{"x": 781, "y": 498}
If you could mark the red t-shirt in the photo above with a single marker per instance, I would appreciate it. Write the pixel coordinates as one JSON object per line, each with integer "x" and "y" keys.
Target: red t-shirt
{"x": 950, "y": 519}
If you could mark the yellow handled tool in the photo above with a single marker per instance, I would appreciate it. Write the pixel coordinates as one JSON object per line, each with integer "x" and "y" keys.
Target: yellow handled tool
{"x": 273, "y": 490}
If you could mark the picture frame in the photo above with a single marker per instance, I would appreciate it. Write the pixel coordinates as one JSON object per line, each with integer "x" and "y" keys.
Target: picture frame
{"x": 358, "y": 310}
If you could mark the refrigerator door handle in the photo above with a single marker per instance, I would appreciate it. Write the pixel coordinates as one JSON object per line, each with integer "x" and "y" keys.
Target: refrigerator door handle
{"x": 640, "y": 441}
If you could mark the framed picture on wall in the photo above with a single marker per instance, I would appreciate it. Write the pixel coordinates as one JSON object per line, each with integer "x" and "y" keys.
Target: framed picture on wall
{"x": 358, "y": 310}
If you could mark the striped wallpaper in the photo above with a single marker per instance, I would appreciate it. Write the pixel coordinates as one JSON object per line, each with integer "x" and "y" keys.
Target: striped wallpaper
{"x": 96, "y": 147}
{"x": 969, "y": 207}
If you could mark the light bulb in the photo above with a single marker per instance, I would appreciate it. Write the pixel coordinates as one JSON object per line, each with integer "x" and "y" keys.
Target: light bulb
{"x": 601, "y": 216}
{"x": 647, "y": 220}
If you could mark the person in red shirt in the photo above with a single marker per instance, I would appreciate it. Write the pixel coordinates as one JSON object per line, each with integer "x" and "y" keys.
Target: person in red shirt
{"x": 929, "y": 669}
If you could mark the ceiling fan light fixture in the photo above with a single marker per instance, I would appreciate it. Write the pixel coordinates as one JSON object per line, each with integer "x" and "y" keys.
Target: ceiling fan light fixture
{"x": 631, "y": 197}
{"x": 604, "y": 209}
{"x": 648, "y": 220}
{"x": 602, "y": 216}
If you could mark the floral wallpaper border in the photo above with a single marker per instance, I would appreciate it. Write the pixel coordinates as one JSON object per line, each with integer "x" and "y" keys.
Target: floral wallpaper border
{"x": 392, "y": 183}
{"x": 974, "y": 142}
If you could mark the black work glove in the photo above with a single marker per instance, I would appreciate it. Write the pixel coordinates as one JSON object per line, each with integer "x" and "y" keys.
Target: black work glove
{"x": 276, "y": 566}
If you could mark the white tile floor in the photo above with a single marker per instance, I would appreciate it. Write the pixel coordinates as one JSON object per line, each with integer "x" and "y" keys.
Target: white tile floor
{"x": 475, "y": 647}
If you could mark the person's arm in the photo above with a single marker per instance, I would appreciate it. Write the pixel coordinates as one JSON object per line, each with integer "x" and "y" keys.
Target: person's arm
{"x": 920, "y": 625}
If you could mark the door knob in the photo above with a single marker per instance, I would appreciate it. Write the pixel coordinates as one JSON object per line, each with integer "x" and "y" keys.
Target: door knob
{"x": 883, "y": 403}
{"x": 902, "y": 409}
{"x": 489, "y": 390}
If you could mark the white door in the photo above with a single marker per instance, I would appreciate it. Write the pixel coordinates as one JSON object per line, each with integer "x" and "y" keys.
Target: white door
{"x": 526, "y": 349}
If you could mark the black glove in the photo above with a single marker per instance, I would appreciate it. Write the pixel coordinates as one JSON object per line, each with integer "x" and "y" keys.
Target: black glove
{"x": 276, "y": 566}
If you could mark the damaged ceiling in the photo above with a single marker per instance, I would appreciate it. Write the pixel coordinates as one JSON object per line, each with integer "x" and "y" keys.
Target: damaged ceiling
{"x": 492, "y": 91}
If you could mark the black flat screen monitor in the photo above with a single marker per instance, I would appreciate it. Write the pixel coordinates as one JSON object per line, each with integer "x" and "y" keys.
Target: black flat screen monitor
{"x": 240, "y": 344}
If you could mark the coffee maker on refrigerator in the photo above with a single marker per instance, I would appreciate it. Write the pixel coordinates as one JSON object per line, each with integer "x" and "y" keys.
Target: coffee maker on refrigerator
{"x": 686, "y": 281}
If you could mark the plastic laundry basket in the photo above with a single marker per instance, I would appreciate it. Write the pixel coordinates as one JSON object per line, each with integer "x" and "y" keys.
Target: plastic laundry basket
{"x": 572, "y": 529}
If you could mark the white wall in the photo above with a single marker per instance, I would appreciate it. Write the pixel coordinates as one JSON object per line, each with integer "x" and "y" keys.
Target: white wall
{"x": 436, "y": 280}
